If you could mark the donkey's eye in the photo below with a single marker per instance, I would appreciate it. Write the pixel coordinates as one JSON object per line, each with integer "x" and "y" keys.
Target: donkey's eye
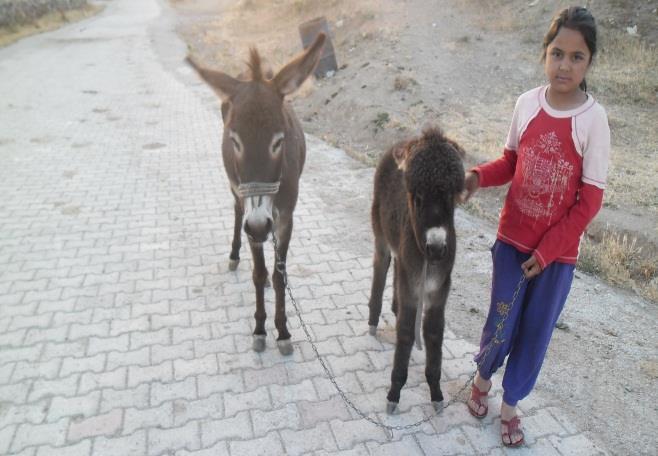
{"x": 235, "y": 142}
{"x": 277, "y": 143}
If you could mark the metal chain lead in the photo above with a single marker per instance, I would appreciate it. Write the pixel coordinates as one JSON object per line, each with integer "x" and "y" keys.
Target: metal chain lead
{"x": 496, "y": 340}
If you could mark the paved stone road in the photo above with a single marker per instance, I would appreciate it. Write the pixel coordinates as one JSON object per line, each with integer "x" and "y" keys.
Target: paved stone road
{"x": 121, "y": 330}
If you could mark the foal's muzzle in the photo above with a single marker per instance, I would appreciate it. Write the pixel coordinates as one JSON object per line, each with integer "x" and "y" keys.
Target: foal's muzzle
{"x": 436, "y": 245}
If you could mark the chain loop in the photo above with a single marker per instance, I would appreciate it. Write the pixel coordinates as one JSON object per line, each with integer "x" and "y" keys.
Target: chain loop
{"x": 496, "y": 340}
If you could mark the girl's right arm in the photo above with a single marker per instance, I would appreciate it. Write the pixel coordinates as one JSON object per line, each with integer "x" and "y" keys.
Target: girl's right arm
{"x": 501, "y": 170}
{"x": 471, "y": 184}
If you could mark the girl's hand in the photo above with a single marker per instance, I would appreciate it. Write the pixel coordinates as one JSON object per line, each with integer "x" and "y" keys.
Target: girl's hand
{"x": 531, "y": 267}
{"x": 471, "y": 184}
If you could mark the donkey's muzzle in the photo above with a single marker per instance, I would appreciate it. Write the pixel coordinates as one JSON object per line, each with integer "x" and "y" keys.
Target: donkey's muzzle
{"x": 258, "y": 220}
{"x": 258, "y": 232}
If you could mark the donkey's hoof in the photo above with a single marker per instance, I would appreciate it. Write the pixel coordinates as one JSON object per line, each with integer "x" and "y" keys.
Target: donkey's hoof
{"x": 285, "y": 347}
{"x": 391, "y": 408}
{"x": 372, "y": 330}
{"x": 233, "y": 264}
{"x": 258, "y": 343}
{"x": 438, "y": 406}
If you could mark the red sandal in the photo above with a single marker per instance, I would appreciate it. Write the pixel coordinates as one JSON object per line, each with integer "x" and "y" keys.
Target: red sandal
{"x": 513, "y": 427}
{"x": 476, "y": 394}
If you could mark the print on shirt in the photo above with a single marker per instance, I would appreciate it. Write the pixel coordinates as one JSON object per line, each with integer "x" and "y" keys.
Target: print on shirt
{"x": 546, "y": 177}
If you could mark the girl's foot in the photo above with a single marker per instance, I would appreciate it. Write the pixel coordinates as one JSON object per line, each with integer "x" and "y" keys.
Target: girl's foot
{"x": 477, "y": 403}
{"x": 510, "y": 426}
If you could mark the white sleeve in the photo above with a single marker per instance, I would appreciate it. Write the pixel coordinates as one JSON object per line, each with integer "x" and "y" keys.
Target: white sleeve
{"x": 526, "y": 108}
{"x": 596, "y": 148}
{"x": 512, "y": 142}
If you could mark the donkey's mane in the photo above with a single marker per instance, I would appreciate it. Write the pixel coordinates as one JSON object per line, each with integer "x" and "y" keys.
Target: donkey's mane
{"x": 254, "y": 65}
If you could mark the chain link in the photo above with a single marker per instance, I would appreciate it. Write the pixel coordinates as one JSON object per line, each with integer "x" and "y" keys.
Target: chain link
{"x": 503, "y": 308}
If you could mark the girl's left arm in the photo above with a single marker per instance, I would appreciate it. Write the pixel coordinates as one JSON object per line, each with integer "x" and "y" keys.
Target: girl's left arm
{"x": 566, "y": 233}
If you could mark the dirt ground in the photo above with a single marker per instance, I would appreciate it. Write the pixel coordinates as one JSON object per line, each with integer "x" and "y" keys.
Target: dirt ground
{"x": 462, "y": 64}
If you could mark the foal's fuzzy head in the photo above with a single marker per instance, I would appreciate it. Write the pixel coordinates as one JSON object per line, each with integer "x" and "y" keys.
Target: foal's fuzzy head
{"x": 433, "y": 178}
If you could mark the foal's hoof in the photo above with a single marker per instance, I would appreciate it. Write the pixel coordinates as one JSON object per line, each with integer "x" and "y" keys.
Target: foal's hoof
{"x": 285, "y": 347}
{"x": 438, "y": 406}
{"x": 258, "y": 343}
{"x": 233, "y": 264}
{"x": 391, "y": 408}
{"x": 372, "y": 330}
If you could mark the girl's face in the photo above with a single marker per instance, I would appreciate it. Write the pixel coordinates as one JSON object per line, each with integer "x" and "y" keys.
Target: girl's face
{"x": 567, "y": 60}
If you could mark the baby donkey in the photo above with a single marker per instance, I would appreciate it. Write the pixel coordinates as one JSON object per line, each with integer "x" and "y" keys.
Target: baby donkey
{"x": 417, "y": 184}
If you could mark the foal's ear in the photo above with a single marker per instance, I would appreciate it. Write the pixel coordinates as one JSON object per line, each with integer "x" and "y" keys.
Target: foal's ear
{"x": 223, "y": 84}
{"x": 401, "y": 156}
{"x": 291, "y": 76}
{"x": 458, "y": 148}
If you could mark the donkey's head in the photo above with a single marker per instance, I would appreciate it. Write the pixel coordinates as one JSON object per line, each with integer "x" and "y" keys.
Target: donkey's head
{"x": 257, "y": 130}
{"x": 433, "y": 178}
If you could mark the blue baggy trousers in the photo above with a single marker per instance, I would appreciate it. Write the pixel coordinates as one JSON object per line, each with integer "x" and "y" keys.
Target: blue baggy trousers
{"x": 529, "y": 324}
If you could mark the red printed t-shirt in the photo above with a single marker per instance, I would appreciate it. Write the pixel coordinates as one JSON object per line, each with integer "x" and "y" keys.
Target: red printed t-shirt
{"x": 558, "y": 163}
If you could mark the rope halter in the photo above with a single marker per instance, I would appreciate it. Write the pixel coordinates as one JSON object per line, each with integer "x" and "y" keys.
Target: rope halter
{"x": 258, "y": 189}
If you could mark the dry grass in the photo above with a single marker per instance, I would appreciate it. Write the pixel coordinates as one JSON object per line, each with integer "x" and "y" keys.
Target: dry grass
{"x": 619, "y": 260}
{"x": 626, "y": 69}
{"x": 403, "y": 83}
{"x": 46, "y": 23}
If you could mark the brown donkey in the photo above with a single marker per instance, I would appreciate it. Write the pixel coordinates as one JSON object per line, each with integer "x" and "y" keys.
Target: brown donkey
{"x": 263, "y": 149}
{"x": 416, "y": 188}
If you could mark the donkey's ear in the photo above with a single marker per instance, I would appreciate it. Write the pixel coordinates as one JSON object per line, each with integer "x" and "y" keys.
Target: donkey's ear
{"x": 401, "y": 155}
{"x": 458, "y": 148}
{"x": 226, "y": 109}
{"x": 223, "y": 84}
{"x": 291, "y": 76}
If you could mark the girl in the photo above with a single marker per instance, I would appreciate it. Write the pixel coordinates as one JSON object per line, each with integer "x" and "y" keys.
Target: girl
{"x": 556, "y": 157}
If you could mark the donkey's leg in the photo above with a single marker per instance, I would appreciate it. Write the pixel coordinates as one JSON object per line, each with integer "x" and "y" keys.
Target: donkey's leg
{"x": 283, "y": 232}
{"x": 433, "y": 327}
{"x": 234, "y": 258}
{"x": 259, "y": 276}
{"x": 381, "y": 262}
{"x": 405, "y": 328}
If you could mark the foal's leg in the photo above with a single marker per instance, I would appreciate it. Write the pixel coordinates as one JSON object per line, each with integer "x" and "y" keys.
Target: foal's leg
{"x": 283, "y": 233}
{"x": 394, "y": 304}
{"x": 405, "y": 327}
{"x": 234, "y": 258}
{"x": 381, "y": 262}
{"x": 259, "y": 276}
{"x": 433, "y": 327}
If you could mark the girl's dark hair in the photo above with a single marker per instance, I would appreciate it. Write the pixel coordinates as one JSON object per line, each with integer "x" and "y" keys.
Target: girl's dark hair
{"x": 574, "y": 18}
